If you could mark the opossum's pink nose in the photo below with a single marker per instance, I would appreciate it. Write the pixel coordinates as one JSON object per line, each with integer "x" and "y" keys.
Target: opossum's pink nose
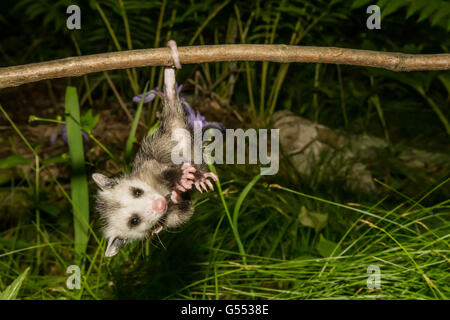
{"x": 159, "y": 205}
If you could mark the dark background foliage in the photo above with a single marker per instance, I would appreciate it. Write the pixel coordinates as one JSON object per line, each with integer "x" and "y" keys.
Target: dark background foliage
{"x": 412, "y": 111}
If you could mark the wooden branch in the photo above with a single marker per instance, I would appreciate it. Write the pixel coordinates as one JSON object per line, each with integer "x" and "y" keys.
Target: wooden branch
{"x": 77, "y": 66}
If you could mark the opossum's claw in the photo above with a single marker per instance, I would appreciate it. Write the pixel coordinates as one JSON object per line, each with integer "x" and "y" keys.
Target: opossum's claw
{"x": 209, "y": 184}
{"x": 211, "y": 175}
{"x": 203, "y": 183}
{"x": 188, "y": 179}
{"x": 197, "y": 185}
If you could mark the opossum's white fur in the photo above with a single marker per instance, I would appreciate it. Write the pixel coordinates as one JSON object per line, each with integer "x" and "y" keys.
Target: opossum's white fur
{"x": 154, "y": 172}
{"x": 123, "y": 205}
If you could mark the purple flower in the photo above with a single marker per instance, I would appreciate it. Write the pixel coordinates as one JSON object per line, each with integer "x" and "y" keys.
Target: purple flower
{"x": 149, "y": 96}
{"x": 191, "y": 114}
{"x": 61, "y": 131}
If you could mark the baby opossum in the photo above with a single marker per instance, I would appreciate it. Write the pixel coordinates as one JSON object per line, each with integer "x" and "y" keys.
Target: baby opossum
{"x": 156, "y": 194}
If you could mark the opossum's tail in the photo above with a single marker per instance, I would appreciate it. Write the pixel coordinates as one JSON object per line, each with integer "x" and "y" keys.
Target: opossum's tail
{"x": 173, "y": 114}
{"x": 172, "y": 102}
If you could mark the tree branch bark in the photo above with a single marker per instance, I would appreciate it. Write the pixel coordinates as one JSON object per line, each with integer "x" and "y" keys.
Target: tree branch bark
{"x": 77, "y": 66}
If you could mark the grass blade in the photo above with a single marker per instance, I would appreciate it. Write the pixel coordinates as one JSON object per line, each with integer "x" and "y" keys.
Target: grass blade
{"x": 132, "y": 135}
{"x": 78, "y": 182}
{"x": 242, "y": 197}
{"x": 11, "y": 291}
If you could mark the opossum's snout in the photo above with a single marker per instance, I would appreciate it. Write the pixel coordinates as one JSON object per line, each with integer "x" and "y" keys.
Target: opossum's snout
{"x": 159, "y": 205}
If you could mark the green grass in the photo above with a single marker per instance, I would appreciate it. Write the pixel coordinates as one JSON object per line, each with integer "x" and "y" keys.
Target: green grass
{"x": 78, "y": 182}
{"x": 249, "y": 239}
{"x": 132, "y": 136}
{"x": 282, "y": 258}
{"x": 10, "y": 293}
{"x": 409, "y": 246}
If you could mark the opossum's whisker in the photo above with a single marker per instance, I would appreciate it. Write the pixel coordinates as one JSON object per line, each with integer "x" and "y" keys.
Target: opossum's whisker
{"x": 159, "y": 239}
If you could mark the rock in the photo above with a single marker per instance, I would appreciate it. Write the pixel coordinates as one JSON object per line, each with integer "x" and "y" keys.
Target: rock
{"x": 320, "y": 153}
{"x": 310, "y": 144}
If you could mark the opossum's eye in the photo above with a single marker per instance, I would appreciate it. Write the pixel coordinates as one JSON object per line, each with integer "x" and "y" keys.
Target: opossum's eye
{"x": 136, "y": 192}
{"x": 134, "y": 221}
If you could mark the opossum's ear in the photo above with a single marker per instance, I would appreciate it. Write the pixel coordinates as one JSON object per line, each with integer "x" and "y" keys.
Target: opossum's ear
{"x": 114, "y": 245}
{"x": 103, "y": 182}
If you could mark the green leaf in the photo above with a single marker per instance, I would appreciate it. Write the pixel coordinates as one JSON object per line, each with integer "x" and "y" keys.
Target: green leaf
{"x": 414, "y": 7}
{"x": 312, "y": 219}
{"x": 14, "y": 161}
{"x": 11, "y": 291}
{"x": 392, "y": 7}
{"x": 78, "y": 181}
{"x": 327, "y": 248}
{"x": 428, "y": 11}
{"x": 359, "y": 3}
{"x": 89, "y": 121}
{"x": 50, "y": 208}
{"x": 58, "y": 159}
{"x": 445, "y": 80}
{"x": 440, "y": 15}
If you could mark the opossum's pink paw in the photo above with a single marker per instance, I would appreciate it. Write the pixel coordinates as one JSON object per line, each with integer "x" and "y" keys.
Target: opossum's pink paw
{"x": 175, "y": 197}
{"x": 188, "y": 168}
{"x": 186, "y": 183}
{"x": 187, "y": 178}
{"x": 180, "y": 187}
{"x": 203, "y": 183}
